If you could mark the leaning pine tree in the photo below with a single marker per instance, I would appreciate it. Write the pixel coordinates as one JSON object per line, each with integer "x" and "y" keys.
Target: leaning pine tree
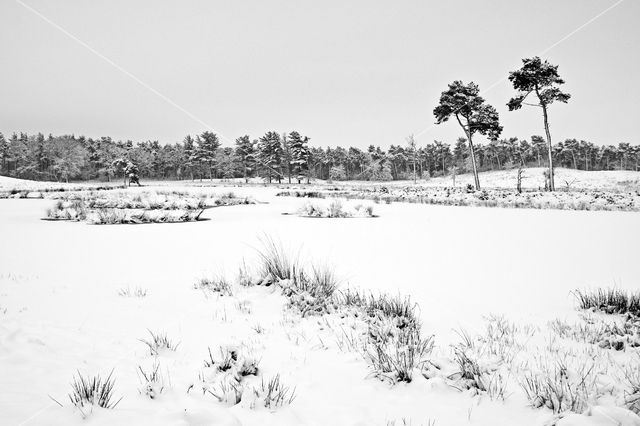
{"x": 464, "y": 102}
{"x": 542, "y": 79}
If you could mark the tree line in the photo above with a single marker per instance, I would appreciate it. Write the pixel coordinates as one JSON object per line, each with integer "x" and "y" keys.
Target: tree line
{"x": 281, "y": 157}
{"x": 286, "y": 156}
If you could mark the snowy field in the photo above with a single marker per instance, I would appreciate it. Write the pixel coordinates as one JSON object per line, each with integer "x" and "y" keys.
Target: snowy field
{"x": 61, "y": 311}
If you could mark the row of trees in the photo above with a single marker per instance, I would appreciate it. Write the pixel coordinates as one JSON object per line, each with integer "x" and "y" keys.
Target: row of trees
{"x": 278, "y": 156}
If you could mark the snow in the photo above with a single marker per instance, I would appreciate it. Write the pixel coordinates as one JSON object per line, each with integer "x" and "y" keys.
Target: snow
{"x": 59, "y": 284}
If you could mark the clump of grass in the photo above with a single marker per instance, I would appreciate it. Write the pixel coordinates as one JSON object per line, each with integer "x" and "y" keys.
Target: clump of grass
{"x": 394, "y": 346}
{"x": 135, "y": 292}
{"x": 273, "y": 393}
{"x": 229, "y": 369}
{"x": 469, "y": 371}
{"x": 609, "y": 300}
{"x": 276, "y": 265}
{"x": 227, "y": 360}
{"x": 152, "y": 381}
{"x": 312, "y": 293}
{"x": 228, "y": 392}
{"x": 110, "y": 216}
{"x": 215, "y": 285}
{"x": 73, "y": 210}
{"x": 159, "y": 342}
{"x": 397, "y": 307}
{"x": 558, "y": 388}
{"x": 93, "y": 391}
{"x": 632, "y": 397}
{"x": 334, "y": 209}
{"x": 395, "y": 354}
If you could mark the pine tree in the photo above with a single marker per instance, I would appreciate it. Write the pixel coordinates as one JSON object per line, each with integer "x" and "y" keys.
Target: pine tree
{"x": 299, "y": 155}
{"x": 245, "y": 152}
{"x": 542, "y": 79}
{"x": 189, "y": 154}
{"x": 4, "y": 152}
{"x": 463, "y": 101}
{"x": 208, "y": 144}
{"x": 270, "y": 155}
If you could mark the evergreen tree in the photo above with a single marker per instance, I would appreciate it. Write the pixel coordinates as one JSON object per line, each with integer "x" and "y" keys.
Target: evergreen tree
{"x": 270, "y": 155}
{"x": 463, "y": 101}
{"x": 4, "y": 152}
{"x": 299, "y": 155}
{"x": 208, "y": 145}
{"x": 542, "y": 79}
{"x": 246, "y": 154}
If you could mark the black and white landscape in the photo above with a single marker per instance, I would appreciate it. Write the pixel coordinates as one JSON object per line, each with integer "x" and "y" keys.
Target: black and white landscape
{"x": 319, "y": 213}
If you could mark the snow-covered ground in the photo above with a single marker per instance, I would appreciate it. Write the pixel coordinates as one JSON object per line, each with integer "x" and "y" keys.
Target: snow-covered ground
{"x": 60, "y": 309}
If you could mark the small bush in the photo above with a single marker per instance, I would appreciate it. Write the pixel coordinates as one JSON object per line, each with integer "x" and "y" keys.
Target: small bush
{"x": 93, "y": 391}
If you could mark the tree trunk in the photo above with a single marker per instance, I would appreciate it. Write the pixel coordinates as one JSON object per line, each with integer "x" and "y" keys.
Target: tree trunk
{"x": 473, "y": 163}
{"x": 552, "y": 186}
{"x": 415, "y": 178}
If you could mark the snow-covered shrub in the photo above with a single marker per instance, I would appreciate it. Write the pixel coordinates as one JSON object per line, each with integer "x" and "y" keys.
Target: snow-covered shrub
{"x": 159, "y": 342}
{"x": 152, "y": 381}
{"x": 92, "y": 391}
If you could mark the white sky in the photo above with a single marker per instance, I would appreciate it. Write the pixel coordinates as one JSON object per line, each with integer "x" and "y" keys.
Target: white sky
{"x": 342, "y": 72}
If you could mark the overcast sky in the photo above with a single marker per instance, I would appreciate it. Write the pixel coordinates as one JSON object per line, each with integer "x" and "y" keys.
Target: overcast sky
{"x": 342, "y": 72}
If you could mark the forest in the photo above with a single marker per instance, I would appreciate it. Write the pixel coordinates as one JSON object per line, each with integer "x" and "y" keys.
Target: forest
{"x": 286, "y": 156}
